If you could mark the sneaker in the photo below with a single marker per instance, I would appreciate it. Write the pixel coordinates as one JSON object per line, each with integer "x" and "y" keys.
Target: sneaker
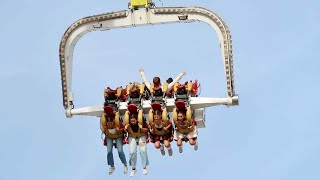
{"x": 133, "y": 172}
{"x": 125, "y": 170}
{"x": 144, "y": 171}
{"x": 162, "y": 152}
{"x": 111, "y": 170}
{"x": 196, "y": 146}
{"x": 170, "y": 152}
{"x": 180, "y": 149}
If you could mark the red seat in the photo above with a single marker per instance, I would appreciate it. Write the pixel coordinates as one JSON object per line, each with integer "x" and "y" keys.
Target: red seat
{"x": 156, "y": 106}
{"x": 132, "y": 108}
{"x": 109, "y": 111}
{"x": 111, "y": 91}
{"x": 195, "y": 86}
{"x": 124, "y": 96}
{"x": 181, "y": 86}
{"x": 135, "y": 93}
{"x": 180, "y": 105}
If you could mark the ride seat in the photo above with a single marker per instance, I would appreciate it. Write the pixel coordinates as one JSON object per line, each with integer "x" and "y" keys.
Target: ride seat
{"x": 134, "y": 93}
{"x": 157, "y": 106}
{"x": 178, "y": 107}
{"x": 194, "y": 91}
{"x": 157, "y": 91}
{"x": 110, "y": 94}
{"x": 181, "y": 89}
{"x": 105, "y": 116}
{"x": 133, "y": 109}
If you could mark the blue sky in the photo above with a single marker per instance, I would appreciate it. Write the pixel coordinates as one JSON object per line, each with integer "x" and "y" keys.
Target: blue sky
{"x": 273, "y": 134}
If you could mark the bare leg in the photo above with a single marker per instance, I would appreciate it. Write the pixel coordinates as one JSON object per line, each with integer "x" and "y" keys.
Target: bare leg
{"x": 179, "y": 144}
{"x": 166, "y": 143}
{"x": 157, "y": 144}
{"x": 192, "y": 141}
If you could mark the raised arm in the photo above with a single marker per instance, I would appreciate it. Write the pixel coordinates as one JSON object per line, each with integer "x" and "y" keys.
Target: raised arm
{"x": 170, "y": 86}
{"x": 144, "y": 79}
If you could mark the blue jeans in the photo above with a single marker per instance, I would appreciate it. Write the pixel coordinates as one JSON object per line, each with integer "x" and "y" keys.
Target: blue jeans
{"x": 119, "y": 146}
{"x": 143, "y": 151}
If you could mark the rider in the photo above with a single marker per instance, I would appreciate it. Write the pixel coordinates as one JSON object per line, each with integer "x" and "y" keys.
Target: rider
{"x": 171, "y": 92}
{"x": 137, "y": 136}
{"x": 114, "y": 133}
{"x": 161, "y": 131}
{"x": 185, "y": 131}
{"x": 157, "y": 81}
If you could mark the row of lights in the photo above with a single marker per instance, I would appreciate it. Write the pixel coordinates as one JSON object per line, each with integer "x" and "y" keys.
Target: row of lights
{"x": 65, "y": 37}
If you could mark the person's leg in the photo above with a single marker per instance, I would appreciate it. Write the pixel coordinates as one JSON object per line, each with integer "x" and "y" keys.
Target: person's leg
{"x": 120, "y": 151}
{"x": 178, "y": 137}
{"x": 168, "y": 146}
{"x": 133, "y": 152}
{"x": 110, "y": 155}
{"x": 143, "y": 154}
{"x": 192, "y": 136}
{"x": 192, "y": 141}
{"x": 157, "y": 144}
{"x": 122, "y": 157}
{"x": 133, "y": 155}
{"x": 109, "y": 152}
{"x": 196, "y": 144}
{"x": 179, "y": 144}
{"x": 166, "y": 143}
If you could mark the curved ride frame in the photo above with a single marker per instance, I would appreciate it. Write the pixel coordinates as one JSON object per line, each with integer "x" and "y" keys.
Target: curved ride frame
{"x": 141, "y": 17}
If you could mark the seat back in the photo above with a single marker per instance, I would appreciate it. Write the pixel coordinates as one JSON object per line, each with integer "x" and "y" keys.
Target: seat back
{"x": 103, "y": 121}
{"x": 181, "y": 89}
{"x": 157, "y": 92}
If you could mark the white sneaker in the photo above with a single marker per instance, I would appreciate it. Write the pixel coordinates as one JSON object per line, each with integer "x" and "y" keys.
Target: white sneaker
{"x": 144, "y": 171}
{"x": 162, "y": 152}
{"x": 180, "y": 149}
{"x": 170, "y": 152}
{"x": 133, "y": 172}
{"x": 196, "y": 146}
{"x": 125, "y": 170}
{"x": 111, "y": 170}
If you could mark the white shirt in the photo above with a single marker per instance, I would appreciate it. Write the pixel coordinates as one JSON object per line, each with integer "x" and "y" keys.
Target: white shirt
{"x": 112, "y": 131}
{"x": 157, "y": 125}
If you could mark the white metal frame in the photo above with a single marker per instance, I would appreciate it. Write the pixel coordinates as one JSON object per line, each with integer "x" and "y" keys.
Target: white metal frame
{"x": 142, "y": 17}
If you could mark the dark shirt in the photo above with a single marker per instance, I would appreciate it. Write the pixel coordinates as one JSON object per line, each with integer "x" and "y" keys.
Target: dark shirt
{"x": 135, "y": 127}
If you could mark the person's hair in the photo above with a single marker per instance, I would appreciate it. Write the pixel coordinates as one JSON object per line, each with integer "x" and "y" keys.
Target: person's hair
{"x": 133, "y": 116}
{"x": 169, "y": 80}
{"x": 109, "y": 119}
{"x": 156, "y": 80}
{"x": 182, "y": 112}
{"x": 135, "y": 86}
